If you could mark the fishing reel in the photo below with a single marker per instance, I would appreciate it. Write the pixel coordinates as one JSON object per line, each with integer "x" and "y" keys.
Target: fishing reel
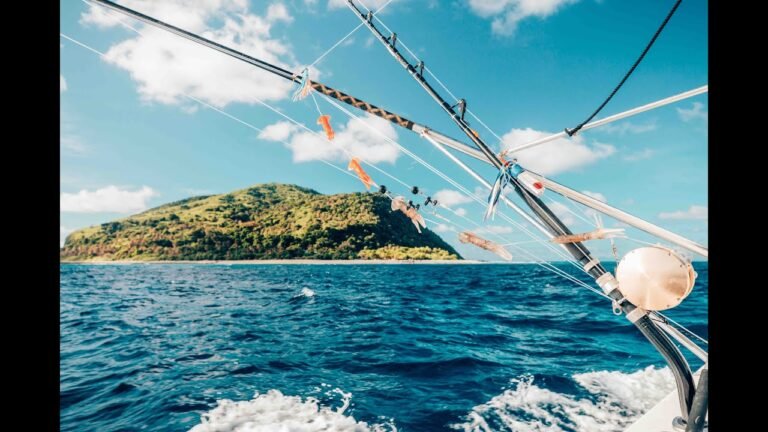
{"x": 416, "y": 191}
{"x": 655, "y": 278}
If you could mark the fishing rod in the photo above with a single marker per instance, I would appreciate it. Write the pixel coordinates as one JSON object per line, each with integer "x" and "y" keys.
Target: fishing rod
{"x": 639, "y": 317}
{"x": 482, "y": 152}
{"x": 290, "y": 76}
{"x": 415, "y": 127}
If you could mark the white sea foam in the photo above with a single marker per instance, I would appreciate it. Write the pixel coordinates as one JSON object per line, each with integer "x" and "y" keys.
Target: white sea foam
{"x": 306, "y": 292}
{"x": 617, "y": 399}
{"x": 275, "y": 412}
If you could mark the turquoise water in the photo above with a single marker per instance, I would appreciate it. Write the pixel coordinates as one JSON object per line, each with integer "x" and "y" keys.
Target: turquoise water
{"x": 351, "y": 347}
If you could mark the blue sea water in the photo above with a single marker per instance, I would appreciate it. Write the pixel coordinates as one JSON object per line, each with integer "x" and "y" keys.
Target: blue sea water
{"x": 351, "y": 348}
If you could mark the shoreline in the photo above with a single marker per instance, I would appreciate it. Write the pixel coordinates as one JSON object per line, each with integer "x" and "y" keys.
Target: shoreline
{"x": 290, "y": 262}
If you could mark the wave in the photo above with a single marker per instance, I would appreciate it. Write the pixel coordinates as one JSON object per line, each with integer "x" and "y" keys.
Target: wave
{"x": 305, "y": 293}
{"x": 274, "y": 411}
{"x": 614, "y": 400}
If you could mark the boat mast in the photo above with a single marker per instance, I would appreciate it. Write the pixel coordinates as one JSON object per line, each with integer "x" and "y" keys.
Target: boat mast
{"x": 639, "y": 317}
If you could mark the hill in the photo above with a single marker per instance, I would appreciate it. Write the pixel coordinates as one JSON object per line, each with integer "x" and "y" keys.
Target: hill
{"x": 267, "y": 221}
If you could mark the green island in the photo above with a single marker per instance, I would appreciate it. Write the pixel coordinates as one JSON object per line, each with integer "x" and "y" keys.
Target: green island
{"x": 263, "y": 222}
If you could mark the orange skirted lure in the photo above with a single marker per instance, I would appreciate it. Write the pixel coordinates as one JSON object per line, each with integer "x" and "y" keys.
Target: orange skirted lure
{"x": 325, "y": 121}
{"x": 354, "y": 165}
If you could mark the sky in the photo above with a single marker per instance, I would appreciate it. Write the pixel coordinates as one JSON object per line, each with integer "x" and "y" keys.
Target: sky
{"x": 158, "y": 118}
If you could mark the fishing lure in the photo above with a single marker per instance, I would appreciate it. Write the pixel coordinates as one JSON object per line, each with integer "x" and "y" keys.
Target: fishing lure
{"x": 354, "y": 165}
{"x": 398, "y": 203}
{"x": 468, "y": 237}
{"x": 304, "y": 86}
{"x": 325, "y": 121}
{"x": 503, "y": 179}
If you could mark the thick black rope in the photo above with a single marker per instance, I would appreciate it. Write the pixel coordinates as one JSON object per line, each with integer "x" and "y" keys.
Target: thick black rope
{"x": 571, "y": 132}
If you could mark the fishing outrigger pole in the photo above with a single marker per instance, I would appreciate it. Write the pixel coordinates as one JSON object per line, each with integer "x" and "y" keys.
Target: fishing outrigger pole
{"x": 639, "y": 317}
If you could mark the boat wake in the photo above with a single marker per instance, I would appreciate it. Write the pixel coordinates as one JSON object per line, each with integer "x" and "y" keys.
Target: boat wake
{"x": 614, "y": 401}
{"x": 274, "y": 411}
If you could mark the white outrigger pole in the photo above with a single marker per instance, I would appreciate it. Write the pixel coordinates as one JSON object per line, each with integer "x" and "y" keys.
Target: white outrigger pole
{"x": 693, "y": 404}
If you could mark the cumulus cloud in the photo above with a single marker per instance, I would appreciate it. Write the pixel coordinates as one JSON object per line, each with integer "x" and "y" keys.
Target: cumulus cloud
{"x": 279, "y": 131}
{"x": 645, "y": 153}
{"x": 506, "y": 14}
{"x": 696, "y": 112}
{"x": 442, "y": 228}
{"x": 109, "y": 199}
{"x": 450, "y": 197}
{"x": 694, "y": 212}
{"x": 165, "y": 66}
{"x": 563, "y": 154}
{"x": 278, "y": 12}
{"x": 354, "y": 138}
{"x": 627, "y": 127}
{"x": 62, "y": 84}
{"x": 460, "y": 211}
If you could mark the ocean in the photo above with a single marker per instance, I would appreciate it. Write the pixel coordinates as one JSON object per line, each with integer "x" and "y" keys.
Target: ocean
{"x": 408, "y": 348}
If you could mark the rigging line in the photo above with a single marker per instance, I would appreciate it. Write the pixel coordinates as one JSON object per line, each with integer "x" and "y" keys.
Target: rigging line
{"x": 682, "y": 327}
{"x": 336, "y": 44}
{"x": 256, "y": 128}
{"x": 110, "y": 13}
{"x": 574, "y": 212}
{"x": 535, "y": 259}
{"x": 82, "y": 45}
{"x": 227, "y": 114}
{"x": 434, "y": 76}
{"x": 520, "y": 211}
{"x": 573, "y": 131}
{"x": 319, "y": 111}
{"x": 615, "y": 117}
{"x": 345, "y": 37}
{"x": 448, "y": 179}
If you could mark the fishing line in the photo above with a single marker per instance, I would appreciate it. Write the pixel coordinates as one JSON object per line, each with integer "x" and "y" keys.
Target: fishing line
{"x": 345, "y": 37}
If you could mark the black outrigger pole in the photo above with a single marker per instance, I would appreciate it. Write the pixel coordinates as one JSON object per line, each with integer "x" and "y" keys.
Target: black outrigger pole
{"x": 283, "y": 73}
{"x": 592, "y": 266}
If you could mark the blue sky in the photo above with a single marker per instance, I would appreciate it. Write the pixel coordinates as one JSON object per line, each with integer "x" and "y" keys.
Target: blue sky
{"x": 131, "y": 139}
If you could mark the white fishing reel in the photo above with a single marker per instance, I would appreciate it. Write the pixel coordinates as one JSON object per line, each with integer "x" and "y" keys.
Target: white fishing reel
{"x": 655, "y": 278}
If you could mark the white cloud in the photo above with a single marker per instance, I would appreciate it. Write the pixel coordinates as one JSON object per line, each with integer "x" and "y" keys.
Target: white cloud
{"x": 278, "y": 12}
{"x": 107, "y": 199}
{"x": 354, "y": 137}
{"x": 626, "y": 127}
{"x": 562, "y": 212}
{"x": 460, "y": 211}
{"x": 694, "y": 212}
{"x": 62, "y": 84}
{"x": 279, "y": 131}
{"x": 441, "y": 228}
{"x": 697, "y": 111}
{"x": 165, "y": 66}
{"x": 369, "y": 42}
{"x": 645, "y": 153}
{"x": 63, "y": 233}
{"x": 450, "y": 197}
{"x": 563, "y": 154}
{"x": 596, "y": 195}
{"x": 507, "y": 14}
